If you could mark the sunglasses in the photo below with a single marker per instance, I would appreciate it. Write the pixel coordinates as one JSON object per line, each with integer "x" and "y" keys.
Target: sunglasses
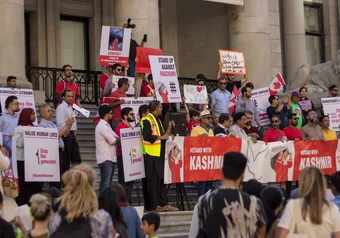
{"x": 131, "y": 114}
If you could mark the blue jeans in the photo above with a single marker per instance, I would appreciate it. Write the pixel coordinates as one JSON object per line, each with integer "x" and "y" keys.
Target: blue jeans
{"x": 132, "y": 68}
{"x": 107, "y": 170}
{"x": 204, "y": 187}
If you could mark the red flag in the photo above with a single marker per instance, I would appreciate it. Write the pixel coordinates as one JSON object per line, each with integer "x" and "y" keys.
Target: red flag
{"x": 276, "y": 85}
{"x": 232, "y": 103}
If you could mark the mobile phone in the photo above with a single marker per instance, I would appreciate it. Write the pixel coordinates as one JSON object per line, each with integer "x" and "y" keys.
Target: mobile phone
{"x": 145, "y": 38}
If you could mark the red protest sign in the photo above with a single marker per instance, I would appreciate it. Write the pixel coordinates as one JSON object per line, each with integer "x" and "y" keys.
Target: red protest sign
{"x": 142, "y": 59}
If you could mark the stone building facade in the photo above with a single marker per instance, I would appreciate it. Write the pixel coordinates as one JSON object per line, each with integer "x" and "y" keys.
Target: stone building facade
{"x": 275, "y": 35}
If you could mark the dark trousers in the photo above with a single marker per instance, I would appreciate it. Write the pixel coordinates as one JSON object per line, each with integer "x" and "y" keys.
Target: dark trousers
{"x": 72, "y": 153}
{"x": 128, "y": 186}
{"x": 62, "y": 161}
{"x": 157, "y": 188}
{"x": 26, "y": 189}
{"x": 145, "y": 187}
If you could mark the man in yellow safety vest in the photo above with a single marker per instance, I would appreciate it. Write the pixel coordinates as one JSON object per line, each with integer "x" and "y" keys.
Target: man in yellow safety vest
{"x": 154, "y": 139}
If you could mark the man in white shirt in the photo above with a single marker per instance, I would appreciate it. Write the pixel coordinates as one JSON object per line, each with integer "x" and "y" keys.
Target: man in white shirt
{"x": 106, "y": 140}
{"x": 240, "y": 121}
{"x": 63, "y": 113}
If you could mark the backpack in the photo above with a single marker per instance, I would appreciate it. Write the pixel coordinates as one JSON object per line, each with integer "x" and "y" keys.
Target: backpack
{"x": 56, "y": 102}
{"x": 79, "y": 227}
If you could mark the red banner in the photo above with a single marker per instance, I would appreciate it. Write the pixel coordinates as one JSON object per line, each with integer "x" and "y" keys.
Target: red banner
{"x": 142, "y": 61}
{"x": 315, "y": 153}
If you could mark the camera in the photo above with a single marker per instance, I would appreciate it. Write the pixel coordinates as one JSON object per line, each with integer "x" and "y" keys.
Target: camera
{"x": 130, "y": 25}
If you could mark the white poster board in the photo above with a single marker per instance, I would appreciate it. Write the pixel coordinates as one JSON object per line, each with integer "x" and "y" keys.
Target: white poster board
{"x": 195, "y": 94}
{"x": 114, "y": 46}
{"x": 232, "y": 62}
{"x": 331, "y": 107}
{"x": 41, "y": 152}
{"x": 130, "y": 91}
{"x": 165, "y": 79}
{"x": 25, "y": 98}
{"x": 135, "y": 103}
{"x": 133, "y": 161}
{"x": 260, "y": 96}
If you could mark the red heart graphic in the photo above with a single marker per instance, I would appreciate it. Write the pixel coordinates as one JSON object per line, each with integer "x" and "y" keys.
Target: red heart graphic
{"x": 199, "y": 89}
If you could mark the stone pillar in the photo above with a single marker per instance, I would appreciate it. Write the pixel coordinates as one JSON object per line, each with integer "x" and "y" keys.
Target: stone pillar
{"x": 294, "y": 37}
{"x": 249, "y": 33}
{"x": 145, "y": 14}
{"x": 12, "y": 41}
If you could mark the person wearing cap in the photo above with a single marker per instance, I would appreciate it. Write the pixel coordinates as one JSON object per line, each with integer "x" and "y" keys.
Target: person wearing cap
{"x": 106, "y": 140}
{"x": 154, "y": 141}
{"x": 312, "y": 131}
{"x": 204, "y": 130}
{"x": 335, "y": 188}
{"x": 294, "y": 107}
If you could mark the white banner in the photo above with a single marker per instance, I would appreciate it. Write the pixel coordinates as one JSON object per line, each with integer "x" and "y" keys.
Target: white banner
{"x": 195, "y": 94}
{"x": 25, "y": 98}
{"x": 234, "y": 2}
{"x": 41, "y": 152}
{"x": 331, "y": 107}
{"x": 133, "y": 162}
{"x": 130, "y": 91}
{"x": 135, "y": 103}
{"x": 114, "y": 46}
{"x": 260, "y": 96}
{"x": 165, "y": 79}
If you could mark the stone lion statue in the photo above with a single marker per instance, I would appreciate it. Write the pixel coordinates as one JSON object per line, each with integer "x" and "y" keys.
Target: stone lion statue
{"x": 319, "y": 77}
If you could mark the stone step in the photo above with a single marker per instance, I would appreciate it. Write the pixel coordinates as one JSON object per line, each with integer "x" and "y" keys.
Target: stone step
{"x": 174, "y": 227}
{"x": 174, "y": 235}
{"x": 168, "y": 217}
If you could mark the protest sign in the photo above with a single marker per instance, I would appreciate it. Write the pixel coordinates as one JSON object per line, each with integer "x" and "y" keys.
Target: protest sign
{"x": 41, "y": 152}
{"x": 195, "y": 94}
{"x": 133, "y": 163}
{"x": 331, "y": 107}
{"x": 135, "y": 103}
{"x": 114, "y": 46}
{"x": 165, "y": 79}
{"x": 305, "y": 104}
{"x": 232, "y": 62}
{"x": 83, "y": 111}
{"x": 234, "y": 2}
{"x": 189, "y": 159}
{"x": 8, "y": 149}
{"x": 130, "y": 91}
{"x": 260, "y": 96}
{"x": 142, "y": 61}
{"x": 25, "y": 98}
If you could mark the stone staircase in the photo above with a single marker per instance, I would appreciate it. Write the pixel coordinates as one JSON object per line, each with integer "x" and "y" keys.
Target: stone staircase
{"x": 173, "y": 224}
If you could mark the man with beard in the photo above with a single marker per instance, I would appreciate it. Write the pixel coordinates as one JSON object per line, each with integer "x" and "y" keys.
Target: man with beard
{"x": 274, "y": 133}
{"x": 246, "y": 104}
{"x": 312, "y": 131}
{"x": 128, "y": 116}
{"x": 249, "y": 129}
{"x": 117, "y": 70}
{"x": 9, "y": 118}
{"x": 291, "y": 131}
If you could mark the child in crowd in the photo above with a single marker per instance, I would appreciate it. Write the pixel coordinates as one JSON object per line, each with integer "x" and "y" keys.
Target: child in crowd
{"x": 192, "y": 117}
{"x": 150, "y": 224}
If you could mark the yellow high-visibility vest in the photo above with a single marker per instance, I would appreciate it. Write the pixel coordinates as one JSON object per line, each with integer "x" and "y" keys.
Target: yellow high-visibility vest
{"x": 153, "y": 149}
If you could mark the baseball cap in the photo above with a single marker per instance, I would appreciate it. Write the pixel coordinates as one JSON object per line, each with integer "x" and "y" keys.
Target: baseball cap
{"x": 295, "y": 94}
{"x": 205, "y": 114}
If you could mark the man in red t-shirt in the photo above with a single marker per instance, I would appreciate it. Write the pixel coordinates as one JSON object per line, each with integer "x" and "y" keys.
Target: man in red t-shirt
{"x": 128, "y": 117}
{"x": 123, "y": 86}
{"x": 274, "y": 133}
{"x": 291, "y": 131}
{"x": 67, "y": 84}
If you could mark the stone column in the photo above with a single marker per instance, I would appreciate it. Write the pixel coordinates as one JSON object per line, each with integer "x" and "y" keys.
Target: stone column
{"x": 294, "y": 37}
{"x": 145, "y": 14}
{"x": 249, "y": 33}
{"x": 12, "y": 41}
